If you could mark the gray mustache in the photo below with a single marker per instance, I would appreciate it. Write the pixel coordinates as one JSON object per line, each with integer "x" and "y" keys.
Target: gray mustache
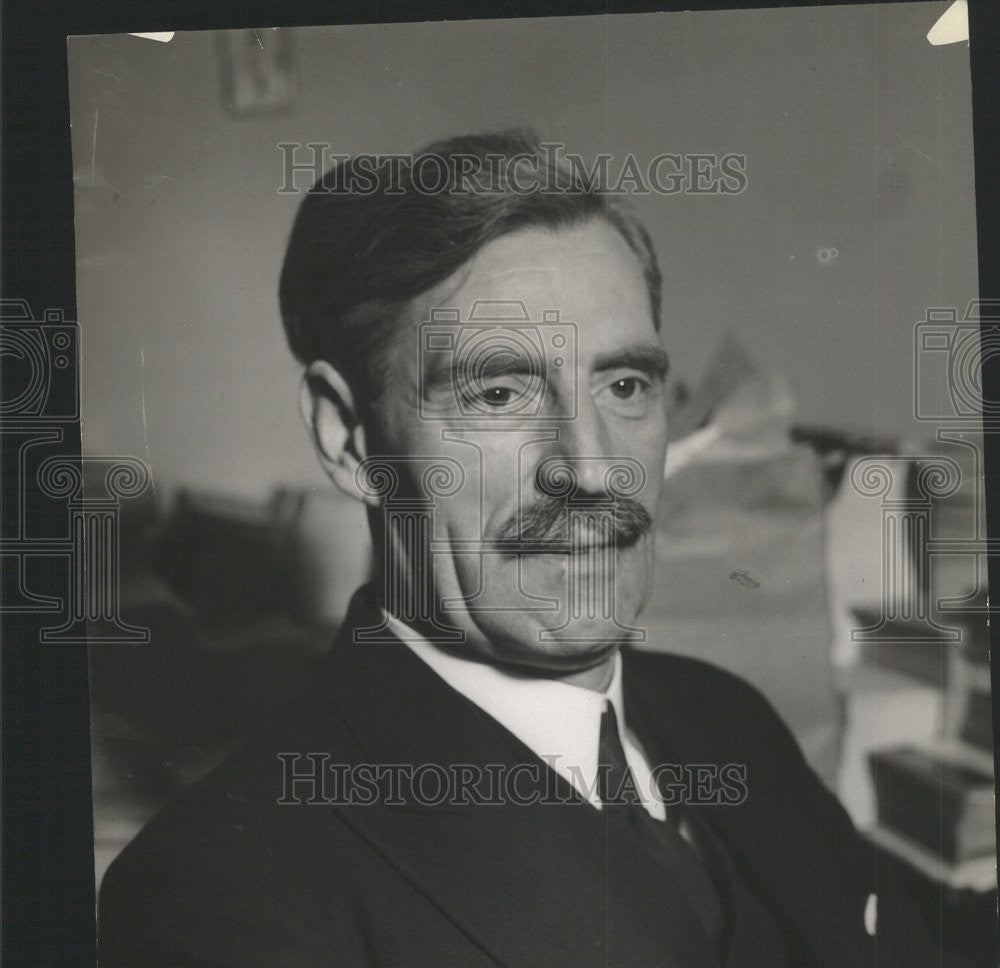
{"x": 544, "y": 527}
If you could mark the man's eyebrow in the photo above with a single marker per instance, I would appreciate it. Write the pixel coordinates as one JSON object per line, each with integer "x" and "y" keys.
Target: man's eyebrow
{"x": 645, "y": 358}
{"x": 502, "y": 362}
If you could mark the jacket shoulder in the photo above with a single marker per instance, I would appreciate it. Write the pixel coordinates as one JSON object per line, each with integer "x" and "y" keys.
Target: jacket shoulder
{"x": 701, "y": 688}
{"x": 712, "y": 715}
{"x": 227, "y": 873}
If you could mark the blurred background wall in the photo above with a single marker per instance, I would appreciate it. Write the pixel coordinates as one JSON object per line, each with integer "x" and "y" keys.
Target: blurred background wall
{"x": 857, "y": 134}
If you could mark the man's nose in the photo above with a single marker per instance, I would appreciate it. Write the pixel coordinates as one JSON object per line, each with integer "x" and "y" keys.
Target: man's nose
{"x": 581, "y": 457}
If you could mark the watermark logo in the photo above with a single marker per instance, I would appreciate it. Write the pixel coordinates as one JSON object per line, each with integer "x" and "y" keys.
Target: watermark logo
{"x": 949, "y": 352}
{"x": 498, "y": 337}
{"x": 554, "y": 171}
{"x": 317, "y": 779}
{"x": 72, "y": 535}
{"x": 932, "y": 504}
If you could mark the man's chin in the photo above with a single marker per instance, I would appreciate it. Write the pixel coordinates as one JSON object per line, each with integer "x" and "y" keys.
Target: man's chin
{"x": 554, "y": 656}
{"x": 581, "y": 636}
{"x": 552, "y": 611}
{"x": 554, "y": 642}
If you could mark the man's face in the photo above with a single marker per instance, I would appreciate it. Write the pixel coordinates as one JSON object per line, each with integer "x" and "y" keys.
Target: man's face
{"x": 553, "y": 427}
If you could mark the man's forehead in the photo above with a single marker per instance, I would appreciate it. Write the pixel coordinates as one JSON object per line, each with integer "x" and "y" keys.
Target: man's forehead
{"x": 584, "y": 270}
{"x": 542, "y": 257}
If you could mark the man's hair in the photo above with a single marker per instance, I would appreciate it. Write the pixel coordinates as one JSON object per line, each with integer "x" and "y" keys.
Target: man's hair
{"x": 374, "y": 233}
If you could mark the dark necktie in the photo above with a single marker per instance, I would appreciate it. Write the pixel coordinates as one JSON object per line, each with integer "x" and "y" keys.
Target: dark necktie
{"x": 662, "y": 839}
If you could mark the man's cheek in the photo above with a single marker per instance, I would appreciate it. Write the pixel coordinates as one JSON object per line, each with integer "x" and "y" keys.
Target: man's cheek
{"x": 464, "y": 515}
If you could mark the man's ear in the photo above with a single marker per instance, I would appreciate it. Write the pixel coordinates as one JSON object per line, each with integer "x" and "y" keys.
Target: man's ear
{"x": 327, "y": 407}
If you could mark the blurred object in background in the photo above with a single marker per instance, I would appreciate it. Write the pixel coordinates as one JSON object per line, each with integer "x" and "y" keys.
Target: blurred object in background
{"x": 238, "y": 596}
{"x": 912, "y": 653}
{"x": 734, "y": 399}
{"x": 943, "y": 805}
{"x": 739, "y": 576}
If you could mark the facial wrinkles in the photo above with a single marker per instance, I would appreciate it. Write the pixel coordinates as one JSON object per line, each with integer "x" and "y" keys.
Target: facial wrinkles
{"x": 504, "y": 530}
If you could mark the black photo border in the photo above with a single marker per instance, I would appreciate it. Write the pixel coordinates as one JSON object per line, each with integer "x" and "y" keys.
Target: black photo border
{"x": 48, "y": 883}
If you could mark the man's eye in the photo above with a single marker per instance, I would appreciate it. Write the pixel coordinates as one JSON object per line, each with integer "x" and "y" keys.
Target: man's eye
{"x": 510, "y": 395}
{"x": 497, "y": 396}
{"x": 628, "y": 396}
{"x": 628, "y": 387}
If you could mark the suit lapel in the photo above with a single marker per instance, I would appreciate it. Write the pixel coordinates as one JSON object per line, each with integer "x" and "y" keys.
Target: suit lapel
{"x": 531, "y": 884}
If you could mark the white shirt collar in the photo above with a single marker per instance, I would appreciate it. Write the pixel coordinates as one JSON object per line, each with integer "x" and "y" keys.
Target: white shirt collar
{"x": 560, "y": 723}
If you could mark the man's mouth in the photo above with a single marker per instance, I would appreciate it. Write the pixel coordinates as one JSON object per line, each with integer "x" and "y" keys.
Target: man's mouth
{"x": 550, "y": 528}
{"x": 550, "y": 547}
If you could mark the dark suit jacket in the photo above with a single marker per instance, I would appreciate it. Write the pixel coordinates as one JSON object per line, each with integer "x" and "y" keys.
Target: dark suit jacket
{"x": 227, "y": 875}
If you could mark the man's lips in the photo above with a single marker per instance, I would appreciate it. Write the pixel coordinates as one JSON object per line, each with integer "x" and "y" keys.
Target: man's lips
{"x": 514, "y": 547}
{"x": 552, "y": 527}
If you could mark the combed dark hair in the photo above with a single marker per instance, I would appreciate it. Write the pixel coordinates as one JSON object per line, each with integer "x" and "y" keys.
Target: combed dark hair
{"x": 356, "y": 258}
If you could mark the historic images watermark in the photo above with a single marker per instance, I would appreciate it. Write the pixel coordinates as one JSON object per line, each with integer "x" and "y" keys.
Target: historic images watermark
{"x": 486, "y": 382}
{"x": 914, "y": 490}
{"x": 81, "y": 496}
{"x": 557, "y": 171}
{"x": 318, "y": 779}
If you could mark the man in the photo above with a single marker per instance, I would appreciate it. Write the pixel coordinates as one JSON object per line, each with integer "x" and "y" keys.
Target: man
{"x": 485, "y": 770}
